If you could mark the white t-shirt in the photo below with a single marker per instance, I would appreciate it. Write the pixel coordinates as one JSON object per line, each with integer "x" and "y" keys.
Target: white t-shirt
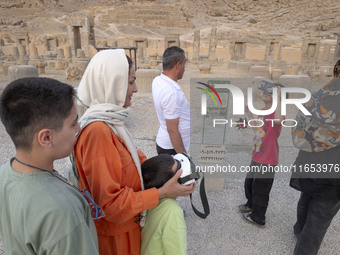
{"x": 170, "y": 103}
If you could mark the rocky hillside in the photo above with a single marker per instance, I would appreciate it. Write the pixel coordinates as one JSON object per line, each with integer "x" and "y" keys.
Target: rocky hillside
{"x": 270, "y": 16}
{"x": 289, "y": 17}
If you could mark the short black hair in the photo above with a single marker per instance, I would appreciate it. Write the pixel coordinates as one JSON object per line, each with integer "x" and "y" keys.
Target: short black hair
{"x": 30, "y": 104}
{"x": 172, "y": 56}
{"x": 157, "y": 170}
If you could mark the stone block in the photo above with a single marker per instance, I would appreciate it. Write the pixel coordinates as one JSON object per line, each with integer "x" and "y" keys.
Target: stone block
{"x": 326, "y": 71}
{"x": 259, "y": 71}
{"x": 74, "y": 73}
{"x": 242, "y": 67}
{"x": 41, "y": 66}
{"x": 314, "y": 74}
{"x": 276, "y": 73}
{"x": 67, "y": 52}
{"x": 292, "y": 70}
{"x": 51, "y": 54}
{"x": 61, "y": 65}
{"x": 32, "y": 50}
{"x": 24, "y": 60}
{"x": 92, "y": 51}
{"x": 80, "y": 53}
{"x": 204, "y": 67}
{"x": 60, "y": 53}
{"x": 145, "y": 78}
{"x": 15, "y": 52}
{"x": 22, "y": 50}
{"x": 232, "y": 65}
{"x": 153, "y": 60}
{"x": 51, "y": 64}
{"x": 5, "y": 67}
{"x": 21, "y": 71}
{"x": 76, "y": 70}
{"x": 297, "y": 81}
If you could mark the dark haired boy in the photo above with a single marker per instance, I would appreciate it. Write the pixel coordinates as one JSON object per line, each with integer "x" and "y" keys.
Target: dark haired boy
{"x": 40, "y": 213}
{"x": 164, "y": 231}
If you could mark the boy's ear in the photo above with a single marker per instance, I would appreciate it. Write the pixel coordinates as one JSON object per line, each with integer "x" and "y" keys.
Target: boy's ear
{"x": 45, "y": 137}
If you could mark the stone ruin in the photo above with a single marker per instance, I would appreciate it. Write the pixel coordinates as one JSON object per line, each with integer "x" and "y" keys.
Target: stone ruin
{"x": 70, "y": 52}
{"x": 268, "y": 56}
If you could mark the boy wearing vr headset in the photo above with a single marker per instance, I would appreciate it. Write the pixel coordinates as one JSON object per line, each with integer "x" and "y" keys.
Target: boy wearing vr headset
{"x": 258, "y": 184}
{"x": 164, "y": 231}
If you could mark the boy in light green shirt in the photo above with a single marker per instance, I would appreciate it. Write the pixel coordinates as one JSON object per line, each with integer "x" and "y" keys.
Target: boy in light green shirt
{"x": 164, "y": 231}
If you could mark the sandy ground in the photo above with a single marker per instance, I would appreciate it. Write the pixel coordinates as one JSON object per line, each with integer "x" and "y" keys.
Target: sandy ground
{"x": 224, "y": 231}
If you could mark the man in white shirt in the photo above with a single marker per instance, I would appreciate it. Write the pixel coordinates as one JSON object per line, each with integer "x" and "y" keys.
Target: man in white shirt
{"x": 171, "y": 105}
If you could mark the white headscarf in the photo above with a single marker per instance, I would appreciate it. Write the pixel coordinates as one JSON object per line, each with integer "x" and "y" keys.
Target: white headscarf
{"x": 103, "y": 89}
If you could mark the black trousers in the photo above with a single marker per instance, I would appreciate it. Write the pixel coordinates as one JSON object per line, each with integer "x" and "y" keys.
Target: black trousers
{"x": 319, "y": 201}
{"x": 315, "y": 212}
{"x": 160, "y": 150}
{"x": 257, "y": 187}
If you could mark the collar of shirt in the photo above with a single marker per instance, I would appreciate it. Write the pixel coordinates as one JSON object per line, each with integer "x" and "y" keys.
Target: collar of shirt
{"x": 171, "y": 81}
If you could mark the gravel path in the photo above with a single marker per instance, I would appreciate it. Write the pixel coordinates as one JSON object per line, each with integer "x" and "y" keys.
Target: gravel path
{"x": 224, "y": 231}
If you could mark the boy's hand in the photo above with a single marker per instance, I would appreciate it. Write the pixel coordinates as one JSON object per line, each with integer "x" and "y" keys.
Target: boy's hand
{"x": 172, "y": 189}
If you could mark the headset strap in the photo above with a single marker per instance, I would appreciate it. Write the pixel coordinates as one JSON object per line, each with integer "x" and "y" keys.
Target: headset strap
{"x": 194, "y": 175}
{"x": 204, "y": 201}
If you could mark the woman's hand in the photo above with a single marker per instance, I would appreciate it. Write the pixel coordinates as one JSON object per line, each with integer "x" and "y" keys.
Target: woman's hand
{"x": 172, "y": 189}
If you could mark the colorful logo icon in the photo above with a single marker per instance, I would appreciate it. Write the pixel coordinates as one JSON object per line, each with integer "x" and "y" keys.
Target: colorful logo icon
{"x": 208, "y": 92}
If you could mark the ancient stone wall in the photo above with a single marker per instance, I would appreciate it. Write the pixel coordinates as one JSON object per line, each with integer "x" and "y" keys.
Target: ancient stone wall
{"x": 266, "y": 54}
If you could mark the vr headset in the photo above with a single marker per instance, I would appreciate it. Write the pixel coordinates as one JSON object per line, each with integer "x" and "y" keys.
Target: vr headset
{"x": 190, "y": 175}
{"x": 267, "y": 87}
{"x": 185, "y": 163}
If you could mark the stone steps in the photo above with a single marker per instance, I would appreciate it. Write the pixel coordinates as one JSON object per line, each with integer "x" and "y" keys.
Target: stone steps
{"x": 148, "y": 15}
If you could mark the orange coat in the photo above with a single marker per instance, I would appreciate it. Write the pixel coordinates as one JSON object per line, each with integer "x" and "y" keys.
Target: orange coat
{"x": 106, "y": 169}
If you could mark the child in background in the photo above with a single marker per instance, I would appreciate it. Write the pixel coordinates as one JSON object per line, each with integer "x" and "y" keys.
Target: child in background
{"x": 164, "y": 231}
{"x": 265, "y": 153}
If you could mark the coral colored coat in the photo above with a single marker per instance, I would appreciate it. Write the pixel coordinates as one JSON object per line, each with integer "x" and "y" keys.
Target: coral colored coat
{"x": 106, "y": 169}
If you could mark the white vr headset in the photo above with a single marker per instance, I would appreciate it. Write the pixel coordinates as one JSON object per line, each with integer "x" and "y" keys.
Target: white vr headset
{"x": 185, "y": 163}
{"x": 190, "y": 175}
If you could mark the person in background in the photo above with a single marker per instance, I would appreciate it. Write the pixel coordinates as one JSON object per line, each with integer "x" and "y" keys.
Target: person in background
{"x": 107, "y": 160}
{"x": 40, "y": 212}
{"x": 318, "y": 139}
{"x": 258, "y": 185}
{"x": 171, "y": 105}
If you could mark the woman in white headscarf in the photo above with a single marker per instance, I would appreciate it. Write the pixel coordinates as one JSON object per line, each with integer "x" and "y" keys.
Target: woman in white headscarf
{"x": 107, "y": 161}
